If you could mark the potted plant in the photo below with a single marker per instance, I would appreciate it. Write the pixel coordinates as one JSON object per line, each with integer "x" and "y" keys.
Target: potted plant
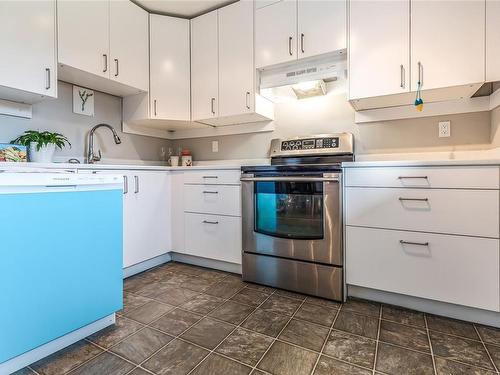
{"x": 42, "y": 145}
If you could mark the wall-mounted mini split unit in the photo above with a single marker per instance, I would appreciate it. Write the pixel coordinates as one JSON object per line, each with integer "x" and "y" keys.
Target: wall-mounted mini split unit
{"x": 302, "y": 79}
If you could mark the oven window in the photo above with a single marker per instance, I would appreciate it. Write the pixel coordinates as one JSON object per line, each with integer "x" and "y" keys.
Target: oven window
{"x": 289, "y": 209}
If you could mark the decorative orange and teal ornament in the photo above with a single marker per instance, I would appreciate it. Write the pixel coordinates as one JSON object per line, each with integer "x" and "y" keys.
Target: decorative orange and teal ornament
{"x": 419, "y": 103}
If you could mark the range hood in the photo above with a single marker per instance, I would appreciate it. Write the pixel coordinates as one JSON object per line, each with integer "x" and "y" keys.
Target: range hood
{"x": 302, "y": 78}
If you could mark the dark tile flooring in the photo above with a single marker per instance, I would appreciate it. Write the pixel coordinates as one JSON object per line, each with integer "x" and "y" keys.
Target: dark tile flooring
{"x": 179, "y": 319}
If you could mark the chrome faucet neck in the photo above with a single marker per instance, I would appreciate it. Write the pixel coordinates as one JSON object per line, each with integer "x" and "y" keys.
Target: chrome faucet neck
{"x": 91, "y": 156}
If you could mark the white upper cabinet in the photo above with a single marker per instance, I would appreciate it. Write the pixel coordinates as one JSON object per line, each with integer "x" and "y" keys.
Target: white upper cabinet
{"x": 169, "y": 64}
{"x": 379, "y": 50}
{"x": 321, "y": 27}
{"x": 276, "y": 33}
{"x": 236, "y": 68}
{"x": 128, "y": 29}
{"x": 83, "y": 35}
{"x": 492, "y": 40}
{"x": 28, "y": 50}
{"x": 104, "y": 45}
{"x": 287, "y": 30}
{"x": 448, "y": 40}
{"x": 204, "y": 67}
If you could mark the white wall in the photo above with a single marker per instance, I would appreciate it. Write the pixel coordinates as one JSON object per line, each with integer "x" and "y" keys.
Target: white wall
{"x": 332, "y": 113}
{"x": 57, "y": 115}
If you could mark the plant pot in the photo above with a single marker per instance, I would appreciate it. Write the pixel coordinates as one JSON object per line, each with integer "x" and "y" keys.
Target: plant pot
{"x": 44, "y": 155}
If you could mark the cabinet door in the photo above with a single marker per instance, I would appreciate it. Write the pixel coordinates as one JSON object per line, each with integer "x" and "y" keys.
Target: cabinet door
{"x": 28, "y": 42}
{"x": 204, "y": 67}
{"x": 169, "y": 64}
{"x": 147, "y": 216}
{"x": 129, "y": 44}
{"x": 492, "y": 40}
{"x": 236, "y": 67}
{"x": 379, "y": 57}
{"x": 322, "y": 27}
{"x": 276, "y": 33}
{"x": 447, "y": 38}
{"x": 83, "y": 35}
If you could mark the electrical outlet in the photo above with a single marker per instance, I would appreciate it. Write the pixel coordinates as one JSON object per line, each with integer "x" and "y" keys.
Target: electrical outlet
{"x": 215, "y": 146}
{"x": 444, "y": 129}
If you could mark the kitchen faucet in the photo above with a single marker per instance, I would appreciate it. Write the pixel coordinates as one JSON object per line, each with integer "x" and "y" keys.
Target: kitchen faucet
{"x": 91, "y": 157}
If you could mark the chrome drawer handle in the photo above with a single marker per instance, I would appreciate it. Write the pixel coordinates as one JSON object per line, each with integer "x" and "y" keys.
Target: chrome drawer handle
{"x": 414, "y": 199}
{"x": 414, "y": 177}
{"x": 210, "y": 222}
{"x": 210, "y": 176}
{"x": 402, "y": 242}
{"x": 210, "y": 192}
{"x": 125, "y": 184}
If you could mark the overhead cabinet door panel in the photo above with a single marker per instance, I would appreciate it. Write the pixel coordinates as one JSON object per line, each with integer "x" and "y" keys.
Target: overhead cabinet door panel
{"x": 379, "y": 51}
{"x": 236, "y": 68}
{"x": 447, "y": 39}
{"x": 276, "y": 33}
{"x": 28, "y": 58}
{"x": 83, "y": 35}
{"x": 322, "y": 27}
{"x": 170, "y": 73}
{"x": 129, "y": 44}
{"x": 204, "y": 66}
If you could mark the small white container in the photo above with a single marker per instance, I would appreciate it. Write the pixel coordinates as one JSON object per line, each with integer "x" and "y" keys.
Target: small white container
{"x": 174, "y": 161}
{"x": 44, "y": 155}
{"x": 187, "y": 161}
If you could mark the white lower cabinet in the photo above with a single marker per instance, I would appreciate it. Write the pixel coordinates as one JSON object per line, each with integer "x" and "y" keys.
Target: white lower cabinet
{"x": 213, "y": 236}
{"x": 455, "y": 269}
{"x": 146, "y": 214}
{"x": 211, "y": 214}
{"x": 437, "y": 238}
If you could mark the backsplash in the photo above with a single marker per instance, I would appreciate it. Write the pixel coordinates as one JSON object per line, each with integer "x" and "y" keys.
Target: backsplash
{"x": 57, "y": 115}
{"x": 332, "y": 113}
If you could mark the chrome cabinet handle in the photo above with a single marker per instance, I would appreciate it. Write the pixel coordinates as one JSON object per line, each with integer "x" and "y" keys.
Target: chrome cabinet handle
{"x": 302, "y": 43}
{"x": 154, "y": 107}
{"x": 403, "y": 83}
{"x": 212, "y": 105}
{"x": 414, "y": 199}
{"x": 290, "y": 45}
{"x": 125, "y": 184}
{"x": 47, "y": 76}
{"x": 136, "y": 179}
{"x": 210, "y": 192}
{"x": 116, "y": 67}
{"x": 420, "y": 74}
{"x": 412, "y": 177}
{"x": 402, "y": 242}
{"x": 210, "y": 177}
{"x": 210, "y": 222}
{"x": 105, "y": 62}
{"x": 247, "y": 100}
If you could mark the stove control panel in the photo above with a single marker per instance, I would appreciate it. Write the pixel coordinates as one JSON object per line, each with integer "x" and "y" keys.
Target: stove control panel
{"x": 310, "y": 144}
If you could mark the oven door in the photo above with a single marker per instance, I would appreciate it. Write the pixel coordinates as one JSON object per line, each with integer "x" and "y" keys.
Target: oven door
{"x": 293, "y": 217}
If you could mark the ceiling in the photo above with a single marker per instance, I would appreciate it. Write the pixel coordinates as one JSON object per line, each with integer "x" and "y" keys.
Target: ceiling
{"x": 182, "y": 8}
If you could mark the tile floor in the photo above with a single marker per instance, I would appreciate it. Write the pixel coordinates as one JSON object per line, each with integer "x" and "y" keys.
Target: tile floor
{"x": 179, "y": 319}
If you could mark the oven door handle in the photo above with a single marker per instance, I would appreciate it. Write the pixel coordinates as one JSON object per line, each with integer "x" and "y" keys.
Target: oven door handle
{"x": 290, "y": 179}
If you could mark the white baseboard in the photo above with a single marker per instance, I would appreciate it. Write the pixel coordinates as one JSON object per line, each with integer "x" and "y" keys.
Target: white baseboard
{"x": 470, "y": 314}
{"x": 19, "y": 362}
{"x": 146, "y": 265}
{"x": 208, "y": 263}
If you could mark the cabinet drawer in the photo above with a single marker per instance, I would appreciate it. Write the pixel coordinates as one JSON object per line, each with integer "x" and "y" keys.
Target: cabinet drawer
{"x": 428, "y": 177}
{"x": 453, "y": 269}
{"x": 213, "y": 237}
{"x": 211, "y": 199}
{"x": 454, "y": 211}
{"x": 213, "y": 177}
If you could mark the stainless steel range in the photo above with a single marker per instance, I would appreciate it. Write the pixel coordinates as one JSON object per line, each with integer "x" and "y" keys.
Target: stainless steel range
{"x": 292, "y": 216}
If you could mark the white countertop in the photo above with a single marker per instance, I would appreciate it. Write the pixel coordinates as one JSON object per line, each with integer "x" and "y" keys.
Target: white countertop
{"x": 132, "y": 165}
